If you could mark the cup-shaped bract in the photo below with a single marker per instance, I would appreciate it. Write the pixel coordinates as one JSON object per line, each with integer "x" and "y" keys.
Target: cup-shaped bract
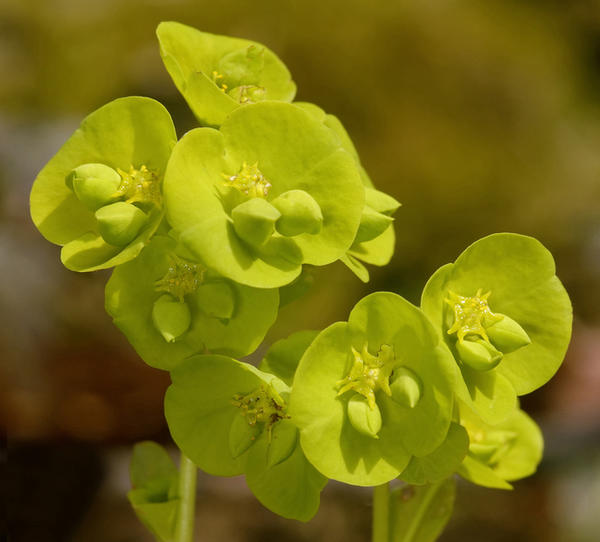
{"x": 376, "y": 248}
{"x": 148, "y": 296}
{"x": 501, "y": 453}
{"x": 384, "y": 337}
{"x": 217, "y": 74}
{"x": 260, "y": 152}
{"x": 129, "y": 140}
{"x": 231, "y": 418}
{"x": 504, "y": 283}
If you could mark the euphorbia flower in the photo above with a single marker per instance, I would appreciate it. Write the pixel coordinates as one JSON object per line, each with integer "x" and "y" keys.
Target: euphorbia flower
{"x": 230, "y": 418}
{"x": 100, "y": 195}
{"x": 217, "y": 74}
{"x": 501, "y": 453}
{"x": 375, "y": 238}
{"x": 171, "y": 307}
{"x": 370, "y": 393}
{"x": 270, "y": 190}
{"x": 505, "y": 316}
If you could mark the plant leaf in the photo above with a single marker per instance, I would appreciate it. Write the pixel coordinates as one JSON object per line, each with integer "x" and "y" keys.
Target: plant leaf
{"x": 420, "y": 513}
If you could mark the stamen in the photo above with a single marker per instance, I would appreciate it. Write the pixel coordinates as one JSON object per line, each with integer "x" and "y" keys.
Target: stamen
{"x": 140, "y": 185}
{"x": 471, "y": 315}
{"x": 249, "y": 181}
{"x": 369, "y": 373}
{"x": 182, "y": 278}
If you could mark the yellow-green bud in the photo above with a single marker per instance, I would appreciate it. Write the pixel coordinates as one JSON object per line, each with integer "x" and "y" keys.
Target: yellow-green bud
{"x": 242, "y": 435}
{"x": 170, "y": 317}
{"x": 364, "y": 419}
{"x": 507, "y": 335}
{"x": 372, "y": 224}
{"x": 95, "y": 185}
{"x": 300, "y": 213}
{"x": 120, "y": 222}
{"x": 284, "y": 436}
{"x": 254, "y": 221}
{"x": 483, "y": 451}
{"x": 478, "y": 354}
{"x": 406, "y": 387}
{"x": 381, "y": 202}
{"x": 216, "y": 299}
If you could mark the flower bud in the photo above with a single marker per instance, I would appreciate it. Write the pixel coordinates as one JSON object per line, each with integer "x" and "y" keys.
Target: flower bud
{"x": 300, "y": 213}
{"x": 170, "y": 317}
{"x": 381, "y": 202}
{"x": 284, "y": 436}
{"x": 405, "y": 387}
{"x": 507, "y": 335}
{"x": 95, "y": 185}
{"x": 479, "y": 354}
{"x": 120, "y": 222}
{"x": 364, "y": 419}
{"x": 372, "y": 224}
{"x": 242, "y": 435}
{"x": 254, "y": 220}
{"x": 216, "y": 299}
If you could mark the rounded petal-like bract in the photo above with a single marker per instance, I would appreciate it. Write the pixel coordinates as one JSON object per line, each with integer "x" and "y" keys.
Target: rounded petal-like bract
{"x": 217, "y": 74}
{"x": 384, "y": 333}
{"x": 502, "y": 275}
{"x": 133, "y": 136}
{"x": 226, "y": 317}
{"x": 262, "y": 151}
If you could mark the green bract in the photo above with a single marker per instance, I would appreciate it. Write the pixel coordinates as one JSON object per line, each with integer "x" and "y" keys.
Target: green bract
{"x": 375, "y": 238}
{"x": 283, "y": 357}
{"x": 506, "y": 317}
{"x": 171, "y": 307}
{"x": 442, "y": 462}
{"x": 217, "y": 74}
{"x": 231, "y": 418}
{"x": 389, "y": 355}
{"x": 154, "y": 496}
{"x": 223, "y": 190}
{"x": 100, "y": 196}
{"x": 500, "y": 453}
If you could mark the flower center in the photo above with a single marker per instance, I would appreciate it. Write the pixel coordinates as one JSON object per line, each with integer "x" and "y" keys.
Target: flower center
{"x": 182, "y": 278}
{"x": 140, "y": 186}
{"x": 261, "y": 405}
{"x": 369, "y": 373}
{"x": 250, "y": 181}
{"x": 471, "y": 315}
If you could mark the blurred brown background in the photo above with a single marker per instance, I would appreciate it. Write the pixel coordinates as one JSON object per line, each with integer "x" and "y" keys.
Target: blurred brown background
{"x": 479, "y": 116}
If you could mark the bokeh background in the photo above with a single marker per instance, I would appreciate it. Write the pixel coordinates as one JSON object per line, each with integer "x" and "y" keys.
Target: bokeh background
{"x": 478, "y": 116}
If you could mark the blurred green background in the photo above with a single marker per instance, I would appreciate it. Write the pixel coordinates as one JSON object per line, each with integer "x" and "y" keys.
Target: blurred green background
{"x": 478, "y": 116}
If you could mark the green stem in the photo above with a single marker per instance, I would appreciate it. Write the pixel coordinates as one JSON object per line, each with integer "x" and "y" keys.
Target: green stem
{"x": 188, "y": 474}
{"x": 381, "y": 513}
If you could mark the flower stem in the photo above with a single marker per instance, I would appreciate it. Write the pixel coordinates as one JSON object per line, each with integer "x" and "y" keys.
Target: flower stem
{"x": 184, "y": 531}
{"x": 381, "y": 513}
